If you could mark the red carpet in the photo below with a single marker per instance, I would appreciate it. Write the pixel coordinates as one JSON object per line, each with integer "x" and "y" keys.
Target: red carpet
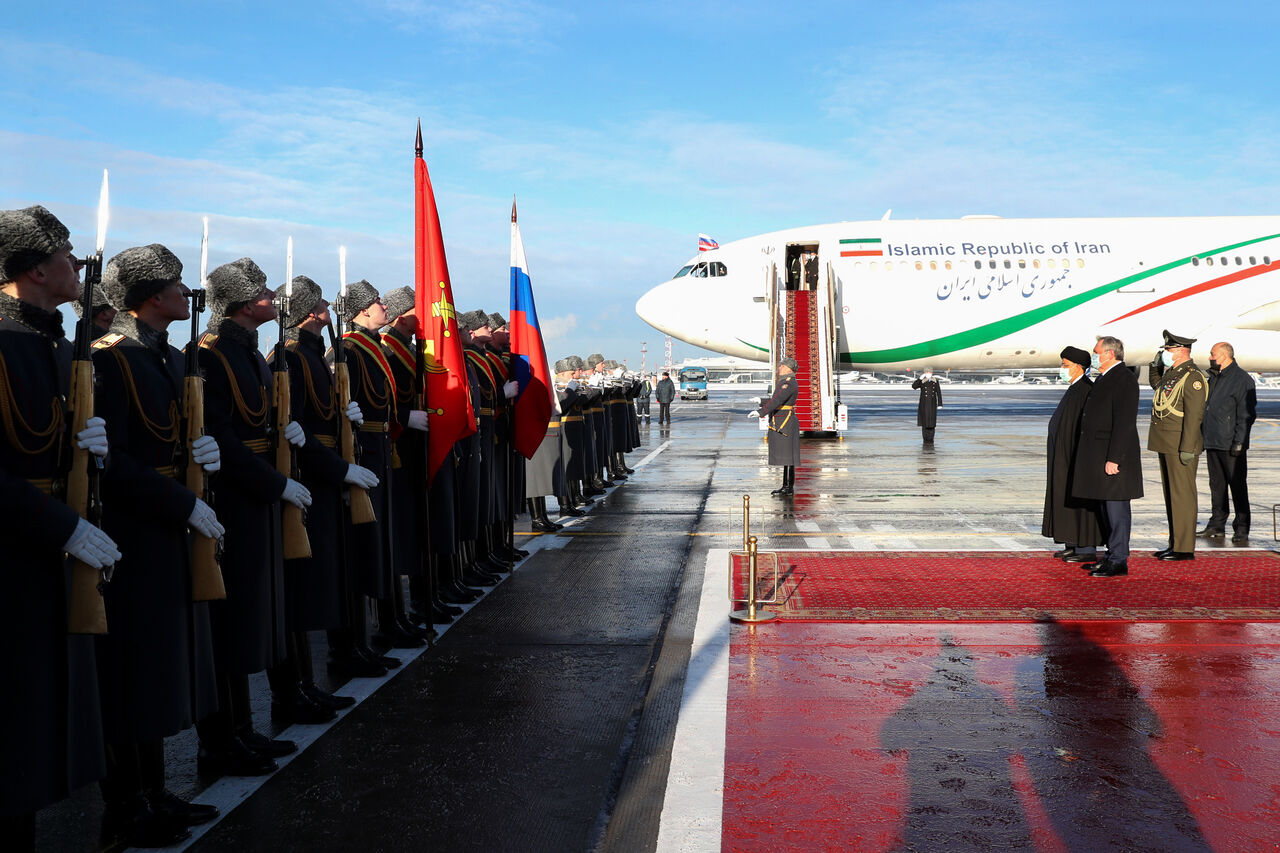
{"x": 1009, "y": 586}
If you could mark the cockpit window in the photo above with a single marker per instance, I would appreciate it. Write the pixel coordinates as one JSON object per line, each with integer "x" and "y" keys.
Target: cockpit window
{"x": 684, "y": 270}
{"x": 702, "y": 270}
{"x": 718, "y": 268}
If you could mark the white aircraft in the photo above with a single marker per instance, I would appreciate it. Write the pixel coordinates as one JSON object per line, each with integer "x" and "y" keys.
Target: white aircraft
{"x": 1011, "y": 378}
{"x": 979, "y": 292}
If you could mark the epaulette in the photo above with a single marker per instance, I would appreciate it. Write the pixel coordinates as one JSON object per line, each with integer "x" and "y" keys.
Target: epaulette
{"x": 208, "y": 340}
{"x": 108, "y": 340}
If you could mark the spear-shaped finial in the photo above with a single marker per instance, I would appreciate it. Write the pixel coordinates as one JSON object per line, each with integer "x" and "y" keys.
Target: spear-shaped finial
{"x": 513, "y": 208}
{"x": 418, "y": 143}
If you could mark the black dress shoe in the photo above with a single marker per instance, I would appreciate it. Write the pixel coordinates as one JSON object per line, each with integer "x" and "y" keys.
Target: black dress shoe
{"x": 1240, "y": 539}
{"x": 1074, "y": 557}
{"x": 1063, "y": 553}
{"x": 234, "y": 758}
{"x": 1212, "y": 533}
{"x": 139, "y": 825}
{"x": 1171, "y": 556}
{"x": 356, "y": 666}
{"x": 543, "y": 526}
{"x": 443, "y": 614}
{"x": 263, "y": 745}
{"x": 329, "y": 700}
{"x": 567, "y": 509}
{"x": 1159, "y": 555}
{"x": 1109, "y": 569}
{"x": 395, "y": 637}
{"x": 167, "y": 803}
{"x": 297, "y": 707}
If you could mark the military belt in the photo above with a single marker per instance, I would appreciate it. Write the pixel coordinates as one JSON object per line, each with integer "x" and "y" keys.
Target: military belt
{"x": 375, "y": 426}
{"x": 329, "y": 441}
{"x": 599, "y": 410}
{"x": 786, "y": 408}
{"x": 571, "y": 419}
{"x": 44, "y": 484}
{"x": 484, "y": 411}
{"x": 167, "y": 471}
{"x": 553, "y": 423}
{"x": 257, "y": 445}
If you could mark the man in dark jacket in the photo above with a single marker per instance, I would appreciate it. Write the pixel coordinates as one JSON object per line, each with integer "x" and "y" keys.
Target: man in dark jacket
{"x": 784, "y": 429}
{"x": 666, "y": 393}
{"x": 1108, "y": 464}
{"x": 930, "y": 402}
{"x": 1228, "y": 419}
{"x": 1070, "y": 520}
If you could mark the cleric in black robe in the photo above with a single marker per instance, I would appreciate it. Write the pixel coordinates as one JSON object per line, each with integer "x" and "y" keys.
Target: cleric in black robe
{"x": 1072, "y": 521}
{"x": 50, "y": 731}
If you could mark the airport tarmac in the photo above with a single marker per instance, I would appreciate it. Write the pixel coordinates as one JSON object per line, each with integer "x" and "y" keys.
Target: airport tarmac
{"x": 585, "y": 702}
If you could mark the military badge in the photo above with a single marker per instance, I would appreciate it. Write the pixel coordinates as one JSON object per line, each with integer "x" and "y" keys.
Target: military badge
{"x": 1197, "y": 385}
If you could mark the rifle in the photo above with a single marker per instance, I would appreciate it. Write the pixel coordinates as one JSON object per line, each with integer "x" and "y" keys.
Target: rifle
{"x": 206, "y": 574}
{"x": 296, "y": 543}
{"x": 357, "y": 498}
{"x": 86, "y": 611}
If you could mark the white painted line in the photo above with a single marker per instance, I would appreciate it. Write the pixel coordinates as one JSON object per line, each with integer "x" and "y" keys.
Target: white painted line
{"x": 818, "y": 542}
{"x": 694, "y": 803}
{"x": 1008, "y": 543}
{"x": 652, "y": 454}
{"x": 808, "y": 526}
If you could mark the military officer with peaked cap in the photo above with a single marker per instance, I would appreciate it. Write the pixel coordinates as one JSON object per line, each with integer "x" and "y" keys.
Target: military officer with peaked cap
{"x": 249, "y": 626}
{"x": 156, "y": 662}
{"x": 784, "y": 429}
{"x": 50, "y": 728}
{"x": 508, "y": 467}
{"x": 409, "y": 466}
{"x": 1177, "y": 411}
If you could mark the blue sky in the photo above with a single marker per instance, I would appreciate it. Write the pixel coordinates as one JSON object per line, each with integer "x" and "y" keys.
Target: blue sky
{"x": 624, "y": 129}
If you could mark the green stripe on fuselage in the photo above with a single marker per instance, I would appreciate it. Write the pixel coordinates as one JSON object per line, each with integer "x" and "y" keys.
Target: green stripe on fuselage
{"x": 1009, "y": 325}
{"x": 861, "y": 240}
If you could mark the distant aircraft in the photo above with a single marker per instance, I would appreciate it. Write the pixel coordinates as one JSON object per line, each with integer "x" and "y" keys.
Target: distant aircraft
{"x": 975, "y": 293}
{"x": 1011, "y": 378}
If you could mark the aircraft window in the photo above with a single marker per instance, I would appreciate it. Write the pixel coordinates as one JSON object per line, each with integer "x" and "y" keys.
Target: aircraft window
{"x": 933, "y": 265}
{"x": 888, "y": 265}
{"x": 1080, "y": 263}
{"x": 919, "y": 265}
{"x": 1238, "y": 260}
{"x": 946, "y": 264}
{"x": 874, "y": 265}
{"x": 1022, "y": 264}
{"x": 1035, "y": 263}
{"x": 1052, "y": 265}
{"x": 1266, "y": 259}
{"x": 1195, "y": 261}
{"x": 699, "y": 271}
{"x": 977, "y": 265}
{"x": 1252, "y": 260}
{"x": 1223, "y": 260}
{"x": 717, "y": 268}
{"x": 683, "y": 271}
{"x": 1008, "y": 264}
{"x": 1066, "y": 263}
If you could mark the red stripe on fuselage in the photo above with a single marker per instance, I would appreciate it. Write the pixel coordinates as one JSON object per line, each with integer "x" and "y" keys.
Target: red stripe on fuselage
{"x": 875, "y": 254}
{"x": 1201, "y": 288}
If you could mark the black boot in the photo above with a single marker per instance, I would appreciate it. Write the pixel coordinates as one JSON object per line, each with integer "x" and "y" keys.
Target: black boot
{"x": 538, "y": 510}
{"x": 161, "y": 799}
{"x": 782, "y": 489}
{"x": 567, "y": 509}
{"x": 789, "y": 480}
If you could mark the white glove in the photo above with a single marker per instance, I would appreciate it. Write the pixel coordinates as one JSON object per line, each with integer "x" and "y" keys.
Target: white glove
{"x": 753, "y": 414}
{"x": 93, "y": 438}
{"x": 296, "y": 494}
{"x": 417, "y": 420}
{"x": 91, "y": 546}
{"x": 511, "y": 389}
{"x": 362, "y": 477}
{"x": 203, "y": 521}
{"x": 205, "y": 453}
{"x": 756, "y": 400}
{"x": 354, "y": 414}
{"x": 596, "y": 380}
{"x": 294, "y": 435}
{"x": 573, "y": 385}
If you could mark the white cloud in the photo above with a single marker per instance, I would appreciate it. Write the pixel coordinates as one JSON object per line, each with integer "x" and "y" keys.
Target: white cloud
{"x": 554, "y": 328}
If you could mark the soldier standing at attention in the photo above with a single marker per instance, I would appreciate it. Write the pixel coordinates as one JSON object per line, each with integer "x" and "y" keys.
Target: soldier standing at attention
{"x": 50, "y": 728}
{"x": 930, "y": 402}
{"x": 1177, "y": 410}
{"x": 249, "y": 626}
{"x": 784, "y": 429}
{"x": 156, "y": 662}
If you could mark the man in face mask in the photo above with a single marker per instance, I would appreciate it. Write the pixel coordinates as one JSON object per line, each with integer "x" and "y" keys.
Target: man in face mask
{"x": 1228, "y": 418}
{"x": 1177, "y": 409}
{"x": 1072, "y": 521}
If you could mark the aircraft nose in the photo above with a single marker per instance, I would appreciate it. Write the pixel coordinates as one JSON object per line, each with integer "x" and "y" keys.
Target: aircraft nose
{"x": 658, "y": 307}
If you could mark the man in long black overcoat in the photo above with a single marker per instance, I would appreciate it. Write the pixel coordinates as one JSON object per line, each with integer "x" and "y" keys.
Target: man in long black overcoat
{"x": 784, "y": 429}
{"x": 930, "y": 402}
{"x": 1108, "y": 457}
{"x": 1070, "y": 520}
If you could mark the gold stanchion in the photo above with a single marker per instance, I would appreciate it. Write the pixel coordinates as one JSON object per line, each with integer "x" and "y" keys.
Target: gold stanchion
{"x": 746, "y": 520}
{"x": 752, "y": 614}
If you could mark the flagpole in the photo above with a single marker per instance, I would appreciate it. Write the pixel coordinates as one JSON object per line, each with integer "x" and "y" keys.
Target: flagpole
{"x": 420, "y": 393}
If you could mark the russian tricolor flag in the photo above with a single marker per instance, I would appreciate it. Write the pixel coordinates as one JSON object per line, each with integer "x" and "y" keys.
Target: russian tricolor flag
{"x": 537, "y": 397}
{"x": 706, "y": 244}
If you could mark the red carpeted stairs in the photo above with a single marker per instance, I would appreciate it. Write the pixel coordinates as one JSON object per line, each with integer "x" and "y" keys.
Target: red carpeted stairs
{"x": 802, "y": 344}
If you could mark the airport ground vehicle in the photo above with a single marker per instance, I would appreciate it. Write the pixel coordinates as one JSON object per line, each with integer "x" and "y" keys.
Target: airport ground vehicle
{"x": 693, "y": 383}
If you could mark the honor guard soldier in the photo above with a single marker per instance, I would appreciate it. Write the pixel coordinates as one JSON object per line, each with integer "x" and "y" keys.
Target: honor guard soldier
{"x": 155, "y": 665}
{"x": 600, "y": 424}
{"x": 248, "y": 626}
{"x": 369, "y": 545}
{"x": 315, "y": 586}
{"x": 479, "y": 569}
{"x": 498, "y": 351}
{"x": 100, "y": 318}
{"x": 592, "y": 485}
{"x": 784, "y": 429}
{"x": 1177, "y": 410}
{"x": 409, "y": 468}
{"x": 571, "y": 398}
{"x": 617, "y": 414}
{"x": 50, "y": 728}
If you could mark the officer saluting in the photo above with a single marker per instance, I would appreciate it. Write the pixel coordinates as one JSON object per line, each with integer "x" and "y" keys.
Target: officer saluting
{"x": 1177, "y": 410}
{"x": 784, "y": 429}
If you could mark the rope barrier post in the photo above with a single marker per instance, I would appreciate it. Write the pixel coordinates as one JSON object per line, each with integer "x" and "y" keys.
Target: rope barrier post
{"x": 752, "y": 614}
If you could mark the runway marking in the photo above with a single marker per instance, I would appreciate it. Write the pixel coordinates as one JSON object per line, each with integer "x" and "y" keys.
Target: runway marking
{"x": 653, "y": 454}
{"x": 694, "y": 801}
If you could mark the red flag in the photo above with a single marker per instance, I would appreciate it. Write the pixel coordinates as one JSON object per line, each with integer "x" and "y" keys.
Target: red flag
{"x": 448, "y": 397}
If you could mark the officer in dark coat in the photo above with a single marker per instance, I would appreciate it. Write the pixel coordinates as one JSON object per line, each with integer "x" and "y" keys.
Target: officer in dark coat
{"x": 784, "y": 429}
{"x": 249, "y": 626}
{"x": 1070, "y": 520}
{"x": 572, "y": 428}
{"x": 155, "y": 664}
{"x": 50, "y": 728}
{"x": 1108, "y": 465}
{"x": 930, "y": 402}
{"x": 409, "y": 463}
{"x": 314, "y": 586}
{"x": 1228, "y": 419}
{"x": 479, "y": 569}
{"x": 1177, "y": 410}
